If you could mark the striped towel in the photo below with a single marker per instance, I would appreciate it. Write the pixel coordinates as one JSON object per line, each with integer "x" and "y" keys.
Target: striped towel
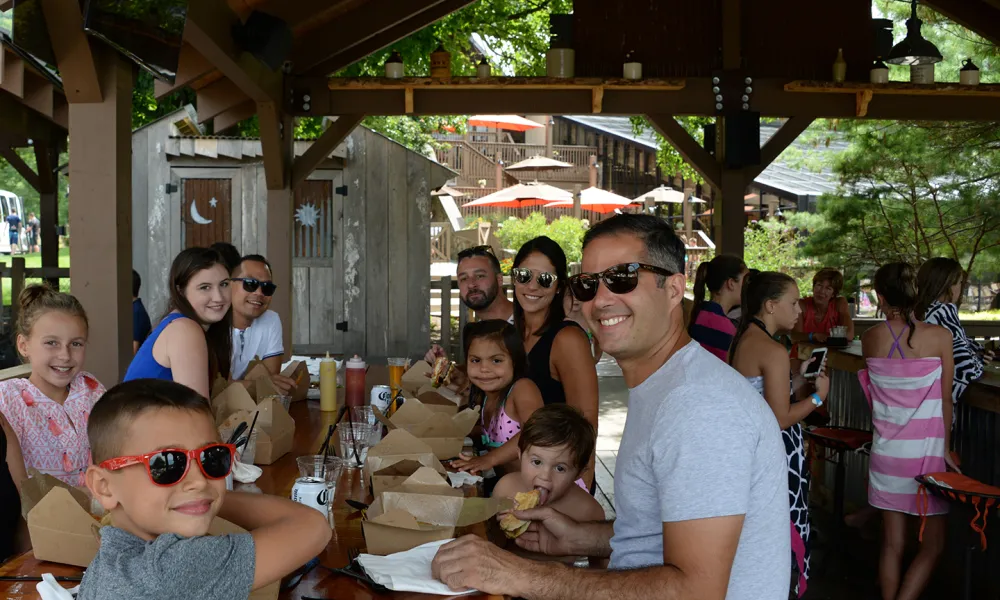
{"x": 905, "y": 396}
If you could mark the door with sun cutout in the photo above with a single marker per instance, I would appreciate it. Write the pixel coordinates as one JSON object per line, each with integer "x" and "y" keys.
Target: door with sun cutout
{"x": 206, "y": 211}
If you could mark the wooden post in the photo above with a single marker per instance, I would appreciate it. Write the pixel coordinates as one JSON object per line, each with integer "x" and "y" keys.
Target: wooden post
{"x": 446, "y": 313}
{"x": 100, "y": 216}
{"x": 47, "y": 159}
{"x": 593, "y": 170}
{"x": 577, "y": 209}
{"x": 688, "y": 188}
{"x": 16, "y": 286}
{"x": 463, "y": 320}
{"x": 498, "y": 174}
{"x": 277, "y": 138}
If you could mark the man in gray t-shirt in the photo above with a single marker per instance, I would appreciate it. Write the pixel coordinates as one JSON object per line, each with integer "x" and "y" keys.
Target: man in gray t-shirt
{"x": 700, "y": 482}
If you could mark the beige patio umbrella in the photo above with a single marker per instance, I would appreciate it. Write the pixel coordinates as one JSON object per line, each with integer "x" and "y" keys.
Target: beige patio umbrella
{"x": 595, "y": 199}
{"x": 521, "y": 195}
{"x": 665, "y": 195}
{"x": 538, "y": 163}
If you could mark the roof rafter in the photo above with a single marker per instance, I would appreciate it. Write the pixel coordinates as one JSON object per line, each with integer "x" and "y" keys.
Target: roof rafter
{"x": 209, "y": 31}
{"x": 976, "y": 15}
{"x": 191, "y": 65}
{"x": 370, "y": 28}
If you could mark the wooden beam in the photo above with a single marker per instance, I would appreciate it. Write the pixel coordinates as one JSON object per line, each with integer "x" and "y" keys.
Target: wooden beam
{"x": 47, "y": 159}
{"x": 369, "y": 37}
{"x": 696, "y": 156}
{"x": 72, "y": 49}
{"x": 11, "y": 73}
{"x": 976, "y": 15}
{"x": 6, "y": 4}
{"x": 322, "y": 147}
{"x": 19, "y": 121}
{"x": 234, "y": 116}
{"x": 101, "y": 216}
{"x": 191, "y": 65}
{"x": 276, "y": 133}
{"x": 732, "y": 44}
{"x": 21, "y": 167}
{"x": 209, "y": 30}
{"x": 39, "y": 94}
{"x": 217, "y": 98}
{"x": 789, "y": 131}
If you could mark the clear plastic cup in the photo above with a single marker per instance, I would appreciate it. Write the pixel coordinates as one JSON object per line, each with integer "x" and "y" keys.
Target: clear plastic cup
{"x": 355, "y": 439}
{"x": 284, "y": 401}
{"x": 365, "y": 414}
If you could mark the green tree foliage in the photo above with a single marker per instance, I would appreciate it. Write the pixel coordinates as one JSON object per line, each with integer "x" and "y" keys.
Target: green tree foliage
{"x": 911, "y": 191}
{"x": 667, "y": 158}
{"x": 771, "y": 245}
{"x": 566, "y": 231}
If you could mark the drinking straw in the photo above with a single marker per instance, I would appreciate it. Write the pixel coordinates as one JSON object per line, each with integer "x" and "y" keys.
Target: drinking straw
{"x": 250, "y": 432}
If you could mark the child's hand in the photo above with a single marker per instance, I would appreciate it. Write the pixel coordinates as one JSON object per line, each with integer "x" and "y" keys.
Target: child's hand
{"x": 473, "y": 464}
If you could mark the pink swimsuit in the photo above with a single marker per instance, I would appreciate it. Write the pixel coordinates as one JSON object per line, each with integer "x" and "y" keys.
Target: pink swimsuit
{"x": 53, "y": 436}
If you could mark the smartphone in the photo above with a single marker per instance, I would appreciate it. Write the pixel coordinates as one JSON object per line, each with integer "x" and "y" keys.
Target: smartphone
{"x": 815, "y": 362}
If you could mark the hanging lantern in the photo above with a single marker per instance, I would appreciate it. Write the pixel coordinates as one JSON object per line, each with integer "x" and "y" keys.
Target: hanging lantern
{"x": 914, "y": 49}
{"x": 441, "y": 64}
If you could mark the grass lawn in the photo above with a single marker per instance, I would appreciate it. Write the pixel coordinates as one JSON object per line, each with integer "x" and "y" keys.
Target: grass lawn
{"x": 33, "y": 261}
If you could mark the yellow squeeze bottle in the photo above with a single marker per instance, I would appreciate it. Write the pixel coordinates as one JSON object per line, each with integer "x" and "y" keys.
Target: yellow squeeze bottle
{"x": 328, "y": 384}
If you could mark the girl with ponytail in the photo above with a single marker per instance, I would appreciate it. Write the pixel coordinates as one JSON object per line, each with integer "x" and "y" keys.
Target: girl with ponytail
{"x": 48, "y": 411}
{"x": 708, "y": 323}
{"x": 908, "y": 384}
{"x": 771, "y": 305}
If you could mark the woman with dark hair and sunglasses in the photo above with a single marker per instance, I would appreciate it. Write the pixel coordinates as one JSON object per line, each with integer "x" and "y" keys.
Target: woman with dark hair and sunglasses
{"x": 560, "y": 359}
{"x": 192, "y": 344}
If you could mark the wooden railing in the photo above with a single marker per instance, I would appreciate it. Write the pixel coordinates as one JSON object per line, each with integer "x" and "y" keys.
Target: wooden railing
{"x": 579, "y": 156}
{"x": 472, "y": 165}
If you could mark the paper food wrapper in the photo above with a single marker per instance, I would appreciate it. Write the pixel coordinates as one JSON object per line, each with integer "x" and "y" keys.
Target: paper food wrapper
{"x": 388, "y": 532}
{"x": 298, "y": 371}
{"x": 60, "y": 525}
{"x": 400, "y": 445}
{"x": 443, "y": 433}
{"x": 416, "y": 377}
{"x": 426, "y": 480}
{"x": 276, "y": 429}
{"x": 445, "y": 511}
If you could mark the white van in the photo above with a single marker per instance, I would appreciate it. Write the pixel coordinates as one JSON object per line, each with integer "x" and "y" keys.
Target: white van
{"x": 10, "y": 201}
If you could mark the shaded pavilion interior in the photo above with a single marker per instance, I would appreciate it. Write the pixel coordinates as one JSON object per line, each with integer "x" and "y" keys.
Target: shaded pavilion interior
{"x": 786, "y": 49}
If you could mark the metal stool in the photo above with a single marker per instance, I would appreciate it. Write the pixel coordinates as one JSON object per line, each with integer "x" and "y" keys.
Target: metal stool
{"x": 963, "y": 490}
{"x": 839, "y": 440}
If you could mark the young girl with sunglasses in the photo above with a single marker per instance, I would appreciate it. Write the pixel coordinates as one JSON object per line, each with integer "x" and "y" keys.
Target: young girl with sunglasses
{"x": 560, "y": 359}
{"x": 48, "y": 412}
{"x": 193, "y": 343}
{"x": 497, "y": 369}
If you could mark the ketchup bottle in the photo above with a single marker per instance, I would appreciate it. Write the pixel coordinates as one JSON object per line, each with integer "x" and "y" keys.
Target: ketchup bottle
{"x": 354, "y": 382}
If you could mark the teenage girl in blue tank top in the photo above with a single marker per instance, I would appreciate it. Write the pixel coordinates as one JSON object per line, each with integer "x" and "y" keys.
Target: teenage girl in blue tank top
{"x": 192, "y": 343}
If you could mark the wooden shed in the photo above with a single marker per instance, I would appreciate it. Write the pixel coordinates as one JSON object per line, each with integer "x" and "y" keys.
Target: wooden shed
{"x": 369, "y": 200}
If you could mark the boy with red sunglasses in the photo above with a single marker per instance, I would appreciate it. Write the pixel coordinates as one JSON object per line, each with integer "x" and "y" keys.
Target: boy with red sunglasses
{"x": 160, "y": 469}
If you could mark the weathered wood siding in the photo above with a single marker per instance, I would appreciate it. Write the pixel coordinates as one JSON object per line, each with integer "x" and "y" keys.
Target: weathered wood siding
{"x": 364, "y": 262}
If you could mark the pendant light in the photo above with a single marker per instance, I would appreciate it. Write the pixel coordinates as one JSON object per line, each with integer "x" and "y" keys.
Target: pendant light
{"x": 914, "y": 49}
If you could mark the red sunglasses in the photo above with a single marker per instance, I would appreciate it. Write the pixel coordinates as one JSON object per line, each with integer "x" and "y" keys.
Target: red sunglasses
{"x": 169, "y": 466}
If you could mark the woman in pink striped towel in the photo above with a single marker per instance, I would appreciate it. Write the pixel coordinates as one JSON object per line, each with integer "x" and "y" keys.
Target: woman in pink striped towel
{"x": 909, "y": 372}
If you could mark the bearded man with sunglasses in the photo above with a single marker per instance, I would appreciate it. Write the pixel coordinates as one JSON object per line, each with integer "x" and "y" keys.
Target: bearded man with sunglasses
{"x": 256, "y": 330}
{"x": 700, "y": 484}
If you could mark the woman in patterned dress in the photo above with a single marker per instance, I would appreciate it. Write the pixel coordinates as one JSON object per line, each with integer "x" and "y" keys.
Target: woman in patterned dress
{"x": 770, "y": 306}
{"x": 939, "y": 283}
{"x": 48, "y": 412}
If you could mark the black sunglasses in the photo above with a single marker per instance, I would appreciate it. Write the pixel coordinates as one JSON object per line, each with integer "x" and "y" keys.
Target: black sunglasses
{"x": 620, "y": 279}
{"x": 523, "y": 276}
{"x": 250, "y": 285}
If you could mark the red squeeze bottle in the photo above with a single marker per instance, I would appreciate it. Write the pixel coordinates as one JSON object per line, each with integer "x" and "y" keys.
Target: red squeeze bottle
{"x": 354, "y": 382}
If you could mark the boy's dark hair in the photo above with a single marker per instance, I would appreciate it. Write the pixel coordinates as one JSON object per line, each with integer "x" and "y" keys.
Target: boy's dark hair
{"x": 230, "y": 255}
{"x": 122, "y": 404}
{"x": 560, "y": 425}
{"x": 254, "y": 258}
{"x": 136, "y": 283}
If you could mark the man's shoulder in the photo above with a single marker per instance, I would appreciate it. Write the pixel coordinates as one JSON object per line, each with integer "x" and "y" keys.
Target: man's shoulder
{"x": 269, "y": 319}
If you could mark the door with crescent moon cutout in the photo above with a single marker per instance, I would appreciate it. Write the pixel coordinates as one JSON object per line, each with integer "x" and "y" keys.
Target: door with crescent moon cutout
{"x": 206, "y": 211}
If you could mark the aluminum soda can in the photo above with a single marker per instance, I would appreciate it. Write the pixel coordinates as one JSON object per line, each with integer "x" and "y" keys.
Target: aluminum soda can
{"x": 311, "y": 492}
{"x": 381, "y": 397}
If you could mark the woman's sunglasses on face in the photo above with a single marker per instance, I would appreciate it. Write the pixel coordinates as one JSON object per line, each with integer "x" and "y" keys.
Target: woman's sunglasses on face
{"x": 250, "y": 285}
{"x": 523, "y": 276}
{"x": 619, "y": 279}
{"x": 169, "y": 466}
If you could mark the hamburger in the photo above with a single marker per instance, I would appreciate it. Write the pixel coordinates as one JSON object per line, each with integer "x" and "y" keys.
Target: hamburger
{"x": 512, "y": 526}
{"x": 441, "y": 372}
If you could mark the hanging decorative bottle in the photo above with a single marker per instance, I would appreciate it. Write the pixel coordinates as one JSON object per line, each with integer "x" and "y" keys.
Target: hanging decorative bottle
{"x": 441, "y": 64}
{"x": 840, "y": 67}
{"x": 969, "y": 75}
{"x": 560, "y": 59}
{"x": 483, "y": 70}
{"x": 632, "y": 69}
{"x": 394, "y": 66}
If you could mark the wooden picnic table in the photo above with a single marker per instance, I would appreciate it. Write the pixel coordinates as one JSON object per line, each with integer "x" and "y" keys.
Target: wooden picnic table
{"x": 311, "y": 426}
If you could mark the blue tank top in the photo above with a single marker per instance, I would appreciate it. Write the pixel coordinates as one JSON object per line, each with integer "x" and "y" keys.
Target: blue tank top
{"x": 143, "y": 365}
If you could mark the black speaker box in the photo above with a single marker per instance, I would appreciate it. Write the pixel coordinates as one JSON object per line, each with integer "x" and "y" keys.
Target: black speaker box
{"x": 742, "y": 139}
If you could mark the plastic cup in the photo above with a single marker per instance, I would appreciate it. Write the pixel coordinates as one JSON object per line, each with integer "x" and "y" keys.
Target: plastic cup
{"x": 396, "y": 368}
{"x": 285, "y": 401}
{"x": 355, "y": 439}
{"x": 365, "y": 414}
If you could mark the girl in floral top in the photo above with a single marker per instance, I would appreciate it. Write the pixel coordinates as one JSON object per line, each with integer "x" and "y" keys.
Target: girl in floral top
{"x": 48, "y": 411}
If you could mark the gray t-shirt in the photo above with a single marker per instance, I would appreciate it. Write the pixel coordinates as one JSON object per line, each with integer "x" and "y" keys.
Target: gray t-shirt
{"x": 700, "y": 442}
{"x": 211, "y": 567}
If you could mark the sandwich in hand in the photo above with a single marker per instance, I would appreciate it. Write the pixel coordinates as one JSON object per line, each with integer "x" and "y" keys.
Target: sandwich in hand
{"x": 511, "y": 525}
{"x": 442, "y": 371}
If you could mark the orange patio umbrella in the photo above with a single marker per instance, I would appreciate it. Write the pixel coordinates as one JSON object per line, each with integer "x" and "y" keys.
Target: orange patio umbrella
{"x": 597, "y": 200}
{"x": 521, "y": 195}
{"x": 505, "y": 122}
